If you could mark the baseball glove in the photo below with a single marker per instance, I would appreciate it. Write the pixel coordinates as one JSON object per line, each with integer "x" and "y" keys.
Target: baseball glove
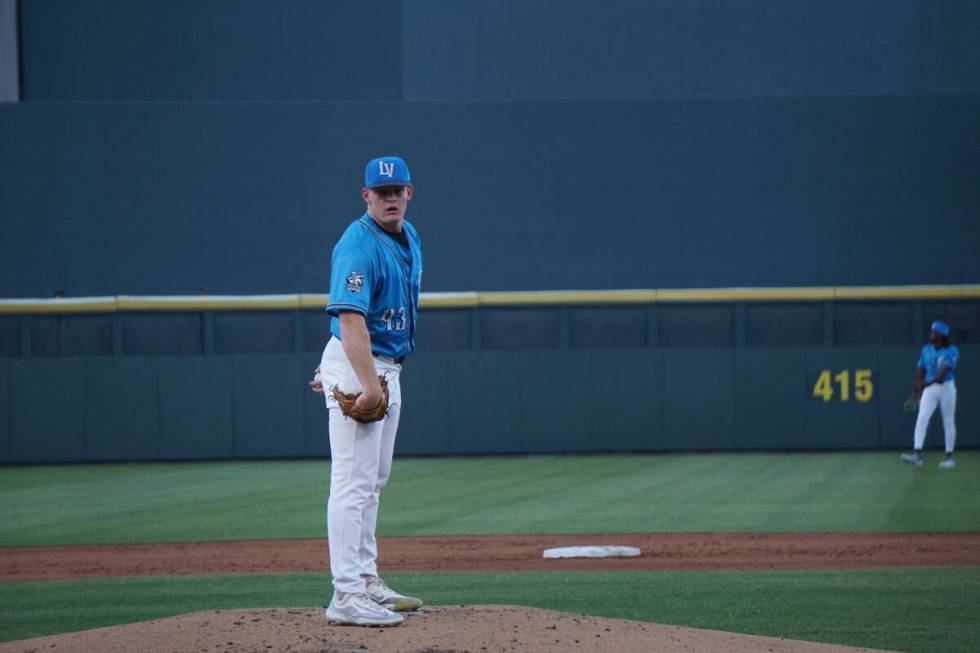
{"x": 911, "y": 405}
{"x": 347, "y": 402}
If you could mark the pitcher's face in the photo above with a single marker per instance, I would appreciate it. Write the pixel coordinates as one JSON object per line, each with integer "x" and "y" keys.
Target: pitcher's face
{"x": 387, "y": 204}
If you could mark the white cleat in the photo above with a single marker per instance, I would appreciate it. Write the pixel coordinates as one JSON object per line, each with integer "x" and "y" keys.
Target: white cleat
{"x": 359, "y": 610}
{"x": 947, "y": 463}
{"x": 913, "y": 459}
{"x": 389, "y": 598}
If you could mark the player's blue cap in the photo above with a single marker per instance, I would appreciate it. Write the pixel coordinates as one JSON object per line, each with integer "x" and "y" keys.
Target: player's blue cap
{"x": 386, "y": 171}
{"x": 940, "y": 327}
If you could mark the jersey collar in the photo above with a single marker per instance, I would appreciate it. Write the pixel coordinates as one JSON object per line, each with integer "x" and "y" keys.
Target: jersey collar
{"x": 382, "y": 238}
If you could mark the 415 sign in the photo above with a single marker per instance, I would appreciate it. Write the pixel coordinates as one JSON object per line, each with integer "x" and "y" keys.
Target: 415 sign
{"x": 844, "y": 385}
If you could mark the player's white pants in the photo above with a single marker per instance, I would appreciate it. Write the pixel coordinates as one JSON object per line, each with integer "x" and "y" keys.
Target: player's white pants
{"x": 360, "y": 462}
{"x": 944, "y": 396}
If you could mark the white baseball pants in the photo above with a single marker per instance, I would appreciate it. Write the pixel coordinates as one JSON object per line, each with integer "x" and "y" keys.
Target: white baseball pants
{"x": 944, "y": 396}
{"x": 360, "y": 463}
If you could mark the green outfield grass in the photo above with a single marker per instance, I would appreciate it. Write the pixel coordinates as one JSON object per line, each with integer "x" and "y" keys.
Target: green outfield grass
{"x": 859, "y": 492}
{"x": 916, "y": 610}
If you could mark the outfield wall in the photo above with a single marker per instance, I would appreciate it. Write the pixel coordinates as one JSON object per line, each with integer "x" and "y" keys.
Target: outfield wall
{"x": 464, "y": 50}
{"x": 192, "y": 408}
{"x": 162, "y": 198}
{"x": 162, "y": 146}
{"x": 228, "y": 380}
{"x": 165, "y": 146}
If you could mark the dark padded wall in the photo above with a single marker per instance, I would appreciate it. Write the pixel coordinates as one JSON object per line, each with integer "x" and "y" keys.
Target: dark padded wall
{"x": 222, "y": 384}
{"x": 188, "y": 408}
{"x": 555, "y": 144}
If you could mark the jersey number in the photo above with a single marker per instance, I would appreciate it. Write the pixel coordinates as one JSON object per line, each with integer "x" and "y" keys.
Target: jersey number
{"x": 394, "y": 318}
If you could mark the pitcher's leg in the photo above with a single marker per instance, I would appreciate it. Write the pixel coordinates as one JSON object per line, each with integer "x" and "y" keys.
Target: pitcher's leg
{"x": 369, "y": 544}
{"x": 354, "y": 455}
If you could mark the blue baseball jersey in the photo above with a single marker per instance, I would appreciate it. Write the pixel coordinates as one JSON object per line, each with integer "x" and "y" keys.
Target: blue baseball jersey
{"x": 931, "y": 359}
{"x": 373, "y": 274}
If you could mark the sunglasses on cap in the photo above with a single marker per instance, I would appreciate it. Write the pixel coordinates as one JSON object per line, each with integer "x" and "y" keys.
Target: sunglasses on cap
{"x": 389, "y": 191}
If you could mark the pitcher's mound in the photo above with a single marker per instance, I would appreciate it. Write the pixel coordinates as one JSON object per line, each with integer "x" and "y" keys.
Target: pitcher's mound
{"x": 440, "y": 629}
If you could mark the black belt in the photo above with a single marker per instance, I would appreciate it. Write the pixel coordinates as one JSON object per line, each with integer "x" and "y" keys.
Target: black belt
{"x": 396, "y": 361}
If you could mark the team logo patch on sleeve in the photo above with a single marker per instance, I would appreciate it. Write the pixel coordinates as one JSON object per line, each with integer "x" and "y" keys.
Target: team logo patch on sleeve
{"x": 355, "y": 281}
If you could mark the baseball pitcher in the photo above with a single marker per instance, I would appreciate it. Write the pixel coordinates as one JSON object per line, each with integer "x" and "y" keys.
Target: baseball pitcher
{"x": 375, "y": 274}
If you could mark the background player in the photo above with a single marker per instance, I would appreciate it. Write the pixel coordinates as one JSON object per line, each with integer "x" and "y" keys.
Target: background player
{"x": 375, "y": 272}
{"x": 934, "y": 379}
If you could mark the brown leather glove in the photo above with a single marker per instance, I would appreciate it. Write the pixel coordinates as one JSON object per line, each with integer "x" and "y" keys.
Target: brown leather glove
{"x": 347, "y": 402}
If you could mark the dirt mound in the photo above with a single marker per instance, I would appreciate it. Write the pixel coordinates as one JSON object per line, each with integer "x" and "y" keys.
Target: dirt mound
{"x": 458, "y": 629}
{"x": 660, "y": 551}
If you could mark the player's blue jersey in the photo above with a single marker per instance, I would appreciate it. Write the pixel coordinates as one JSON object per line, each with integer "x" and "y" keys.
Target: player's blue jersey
{"x": 931, "y": 359}
{"x": 373, "y": 274}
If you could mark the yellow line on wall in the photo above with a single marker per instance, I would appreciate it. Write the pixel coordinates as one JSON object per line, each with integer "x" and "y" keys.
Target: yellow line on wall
{"x": 207, "y": 302}
{"x": 74, "y": 305}
{"x": 745, "y": 294}
{"x": 496, "y": 298}
{"x": 908, "y": 292}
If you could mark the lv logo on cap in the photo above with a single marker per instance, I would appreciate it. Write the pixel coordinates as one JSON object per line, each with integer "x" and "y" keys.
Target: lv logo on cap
{"x": 386, "y": 169}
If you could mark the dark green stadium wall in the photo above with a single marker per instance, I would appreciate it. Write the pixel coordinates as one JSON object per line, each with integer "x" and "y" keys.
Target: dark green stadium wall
{"x": 130, "y": 198}
{"x": 671, "y": 399}
{"x": 163, "y": 146}
{"x": 465, "y": 50}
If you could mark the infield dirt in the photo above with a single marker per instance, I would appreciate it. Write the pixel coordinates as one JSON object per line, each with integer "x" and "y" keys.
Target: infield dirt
{"x": 671, "y": 551}
{"x": 455, "y": 629}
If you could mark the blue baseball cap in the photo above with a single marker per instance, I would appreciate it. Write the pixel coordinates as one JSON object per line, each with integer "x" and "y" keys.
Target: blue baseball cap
{"x": 386, "y": 171}
{"x": 940, "y": 327}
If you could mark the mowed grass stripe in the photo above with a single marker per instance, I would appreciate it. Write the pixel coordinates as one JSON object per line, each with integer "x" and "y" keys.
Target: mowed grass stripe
{"x": 917, "y": 610}
{"x": 825, "y": 492}
{"x": 161, "y": 502}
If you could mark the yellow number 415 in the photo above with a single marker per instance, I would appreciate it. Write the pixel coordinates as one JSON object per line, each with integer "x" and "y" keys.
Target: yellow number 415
{"x": 863, "y": 387}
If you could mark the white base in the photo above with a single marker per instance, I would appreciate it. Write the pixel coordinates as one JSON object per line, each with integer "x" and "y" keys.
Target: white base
{"x": 592, "y": 552}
